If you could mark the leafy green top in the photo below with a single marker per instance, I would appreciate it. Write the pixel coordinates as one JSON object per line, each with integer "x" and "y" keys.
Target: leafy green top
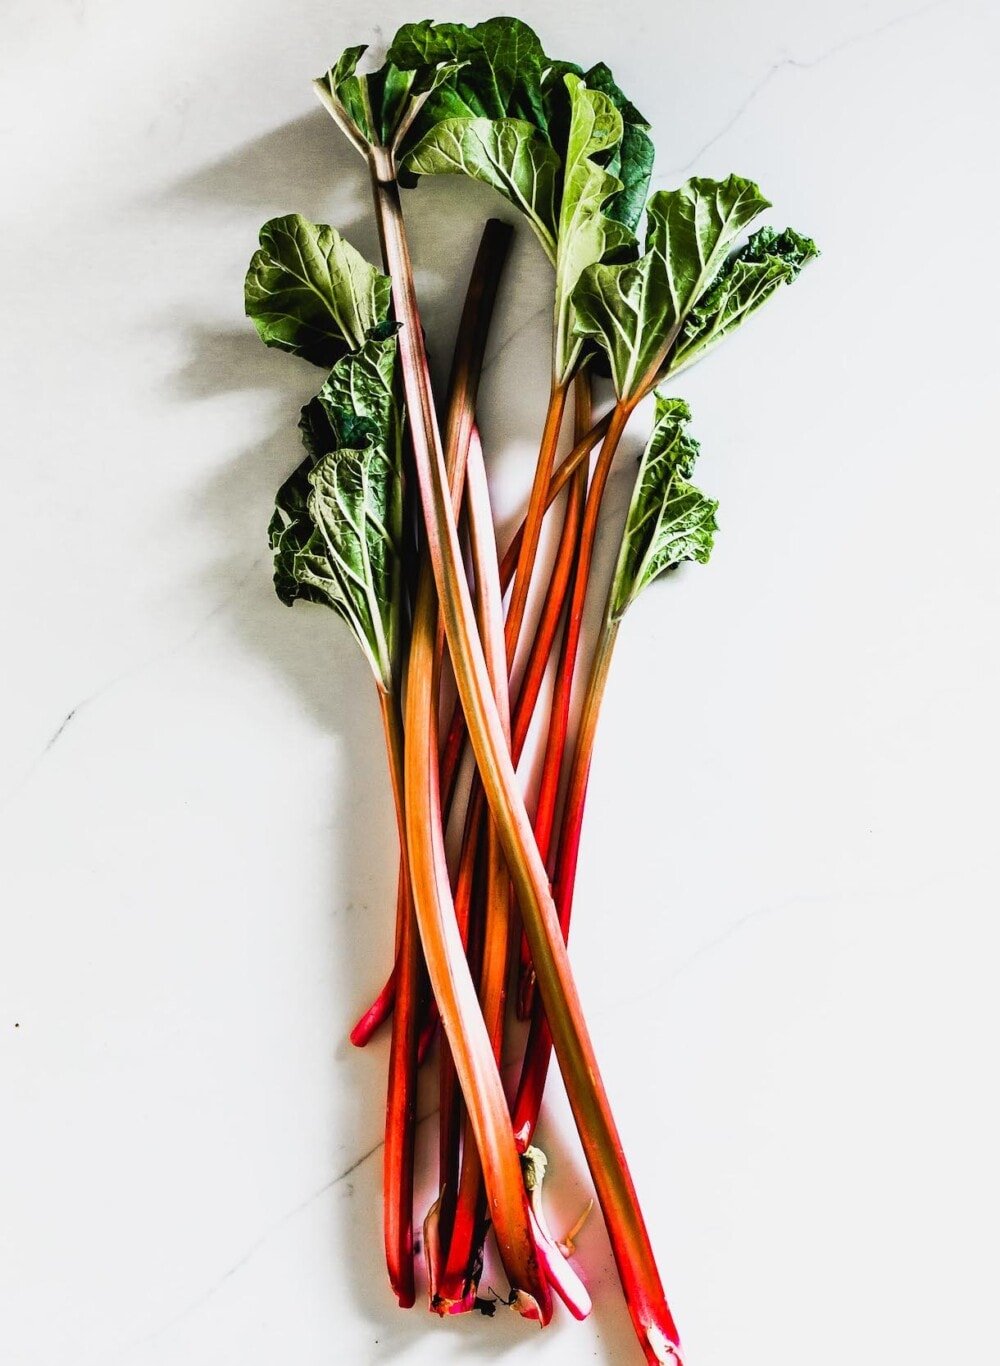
{"x": 669, "y": 520}
{"x": 308, "y": 291}
{"x": 636, "y": 310}
{"x": 500, "y": 71}
{"x": 565, "y": 147}
{"x": 376, "y": 108}
{"x": 337, "y": 524}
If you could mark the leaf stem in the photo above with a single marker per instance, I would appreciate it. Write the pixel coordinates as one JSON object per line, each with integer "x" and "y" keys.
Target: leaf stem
{"x": 555, "y": 600}
{"x": 555, "y": 746}
{"x": 463, "y": 449}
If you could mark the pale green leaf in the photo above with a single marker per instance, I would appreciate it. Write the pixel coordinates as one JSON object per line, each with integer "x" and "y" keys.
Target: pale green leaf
{"x": 748, "y": 279}
{"x": 585, "y": 235}
{"x": 508, "y": 154}
{"x": 637, "y": 310}
{"x": 669, "y": 520}
{"x": 308, "y": 291}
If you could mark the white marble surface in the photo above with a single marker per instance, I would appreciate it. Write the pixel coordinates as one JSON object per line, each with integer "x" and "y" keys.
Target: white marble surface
{"x": 787, "y": 927}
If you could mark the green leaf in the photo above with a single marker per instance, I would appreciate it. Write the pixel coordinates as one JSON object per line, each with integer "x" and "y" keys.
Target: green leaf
{"x": 669, "y": 520}
{"x": 586, "y": 234}
{"x": 497, "y": 69}
{"x": 357, "y": 402}
{"x": 564, "y": 199}
{"x": 337, "y": 527}
{"x": 377, "y": 106}
{"x": 309, "y": 292}
{"x": 565, "y": 148}
{"x": 508, "y": 154}
{"x": 499, "y": 72}
{"x": 637, "y": 310}
{"x": 633, "y": 162}
{"x": 345, "y": 85}
{"x": 747, "y": 280}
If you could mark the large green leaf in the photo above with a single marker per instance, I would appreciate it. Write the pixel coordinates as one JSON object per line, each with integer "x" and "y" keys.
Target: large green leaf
{"x": 508, "y": 154}
{"x": 637, "y": 310}
{"x": 501, "y": 71}
{"x": 308, "y": 291}
{"x": 633, "y": 160}
{"x": 497, "y": 70}
{"x": 586, "y": 234}
{"x": 747, "y": 280}
{"x": 565, "y": 147}
{"x": 376, "y": 107}
{"x": 337, "y": 525}
{"x": 499, "y": 76}
{"x": 669, "y": 520}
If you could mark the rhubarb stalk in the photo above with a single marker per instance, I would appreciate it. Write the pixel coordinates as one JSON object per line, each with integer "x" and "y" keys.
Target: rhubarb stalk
{"x": 401, "y": 1102}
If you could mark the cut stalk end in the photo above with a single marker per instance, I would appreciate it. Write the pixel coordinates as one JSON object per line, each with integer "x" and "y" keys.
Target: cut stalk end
{"x": 664, "y": 1350}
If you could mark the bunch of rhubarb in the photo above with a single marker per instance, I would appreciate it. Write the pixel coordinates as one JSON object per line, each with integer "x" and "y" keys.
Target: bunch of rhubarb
{"x": 387, "y": 520}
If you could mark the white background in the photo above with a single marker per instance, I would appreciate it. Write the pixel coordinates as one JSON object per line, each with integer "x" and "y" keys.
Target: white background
{"x": 786, "y": 929}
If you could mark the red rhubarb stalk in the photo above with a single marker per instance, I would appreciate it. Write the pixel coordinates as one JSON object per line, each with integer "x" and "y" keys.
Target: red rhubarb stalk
{"x": 559, "y": 586}
{"x": 538, "y": 1050}
{"x": 401, "y": 1100}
